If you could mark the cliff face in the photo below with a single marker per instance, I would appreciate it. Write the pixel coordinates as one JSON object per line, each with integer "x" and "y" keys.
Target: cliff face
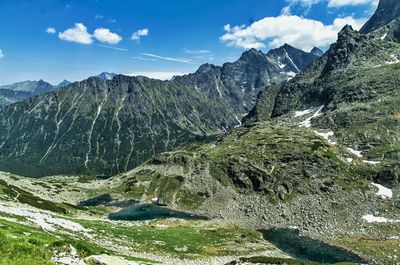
{"x": 387, "y": 11}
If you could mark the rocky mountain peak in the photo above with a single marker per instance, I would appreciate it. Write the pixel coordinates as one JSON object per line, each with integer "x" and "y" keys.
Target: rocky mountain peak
{"x": 106, "y": 76}
{"x": 63, "y": 83}
{"x": 346, "y": 49}
{"x": 205, "y": 68}
{"x": 387, "y": 11}
{"x": 251, "y": 55}
{"x": 317, "y": 52}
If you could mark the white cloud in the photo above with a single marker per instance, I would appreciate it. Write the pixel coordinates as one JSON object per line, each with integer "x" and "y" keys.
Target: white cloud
{"x": 98, "y": 16}
{"x": 139, "y": 34}
{"x": 158, "y": 75}
{"x": 51, "y": 30}
{"x": 340, "y": 3}
{"x": 105, "y": 35}
{"x": 305, "y": 4}
{"x": 77, "y": 34}
{"x": 1, "y": 54}
{"x": 197, "y": 52}
{"x": 297, "y": 31}
{"x": 179, "y": 60}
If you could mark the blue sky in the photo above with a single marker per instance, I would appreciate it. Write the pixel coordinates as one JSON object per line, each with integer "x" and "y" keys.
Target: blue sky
{"x": 57, "y": 39}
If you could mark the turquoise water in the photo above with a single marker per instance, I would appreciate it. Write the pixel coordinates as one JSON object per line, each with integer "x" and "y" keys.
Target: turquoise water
{"x": 139, "y": 212}
{"x": 305, "y": 248}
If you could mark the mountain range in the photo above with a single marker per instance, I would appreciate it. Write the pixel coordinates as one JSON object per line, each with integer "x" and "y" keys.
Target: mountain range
{"x": 26, "y": 89}
{"x": 109, "y": 124}
{"x": 310, "y": 175}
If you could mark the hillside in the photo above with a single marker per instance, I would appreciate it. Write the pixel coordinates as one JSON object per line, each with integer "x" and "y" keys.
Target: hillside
{"x": 110, "y": 124}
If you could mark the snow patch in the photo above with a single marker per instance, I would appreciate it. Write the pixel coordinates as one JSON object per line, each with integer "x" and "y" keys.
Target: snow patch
{"x": 377, "y": 219}
{"x": 327, "y": 136}
{"x": 217, "y": 87}
{"x": 291, "y": 73}
{"x": 302, "y": 113}
{"x": 384, "y": 192}
{"x": 371, "y": 162}
{"x": 384, "y": 36}
{"x": 355, "y": 152}
{"x": 307, "y": 123}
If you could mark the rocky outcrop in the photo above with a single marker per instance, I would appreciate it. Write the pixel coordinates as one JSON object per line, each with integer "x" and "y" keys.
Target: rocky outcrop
{"x": 239, "y": 82}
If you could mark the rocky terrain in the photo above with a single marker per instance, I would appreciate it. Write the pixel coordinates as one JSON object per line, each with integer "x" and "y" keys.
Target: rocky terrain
{"x": 110, "y": 124}
{"x": 238, "y": 83}
{"x": 22, "y": 90}
{"x": 167, "y": 172}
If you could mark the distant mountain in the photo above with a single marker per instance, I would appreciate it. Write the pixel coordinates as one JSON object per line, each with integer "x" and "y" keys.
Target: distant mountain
{"x": 22, "y": 90}
{"x": 317, "y": 52}
{"x": 240, "y": 82}
{"x": 63, "y": 83}
{"x": 109, "y": 124}
{"x": 387, "y": 11}
{"x": 105, "y": 127}
{"x": 106, "y": 76}
{"x": 34, "y": 87}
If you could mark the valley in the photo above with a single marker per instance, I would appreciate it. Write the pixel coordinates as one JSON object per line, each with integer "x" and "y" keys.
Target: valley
{"x": 284, "y": 157}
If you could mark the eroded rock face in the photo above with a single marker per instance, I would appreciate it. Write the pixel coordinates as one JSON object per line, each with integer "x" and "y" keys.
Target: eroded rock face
{"x": 110, "y": 124}
{"x": 105, "y": 127}
{"x": 239, "y": 82}
{"x": 387, "y": 11}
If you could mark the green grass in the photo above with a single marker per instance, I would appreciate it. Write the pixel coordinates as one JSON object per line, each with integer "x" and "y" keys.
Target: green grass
{"x": 182, "y": 239}
{"x": 28, "y": 198}
{"x": 20, "y": 245}
{"x": 382, "y": 250}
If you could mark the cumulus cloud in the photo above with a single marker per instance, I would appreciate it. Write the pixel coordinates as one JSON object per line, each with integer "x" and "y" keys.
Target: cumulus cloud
{"x": 139, "y": 34}
{"x": 77, "y": 34}
{"x": 1, "y": 54}
{"x": 300, "y": 32}
{"x": 105, "y": 35}
{"x": 51, "y": 30}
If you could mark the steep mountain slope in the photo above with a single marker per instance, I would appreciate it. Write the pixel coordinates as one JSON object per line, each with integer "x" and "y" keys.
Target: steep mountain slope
{"x": 110, "y": 124}
{"x": 356, "y": 82}
{"x": 22, "y": 90}
{"x": 239, "y": 82}
{"x": 310, "y": 155}
{"x": 387, "y": 11}
{"x": 105, "y": 127}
